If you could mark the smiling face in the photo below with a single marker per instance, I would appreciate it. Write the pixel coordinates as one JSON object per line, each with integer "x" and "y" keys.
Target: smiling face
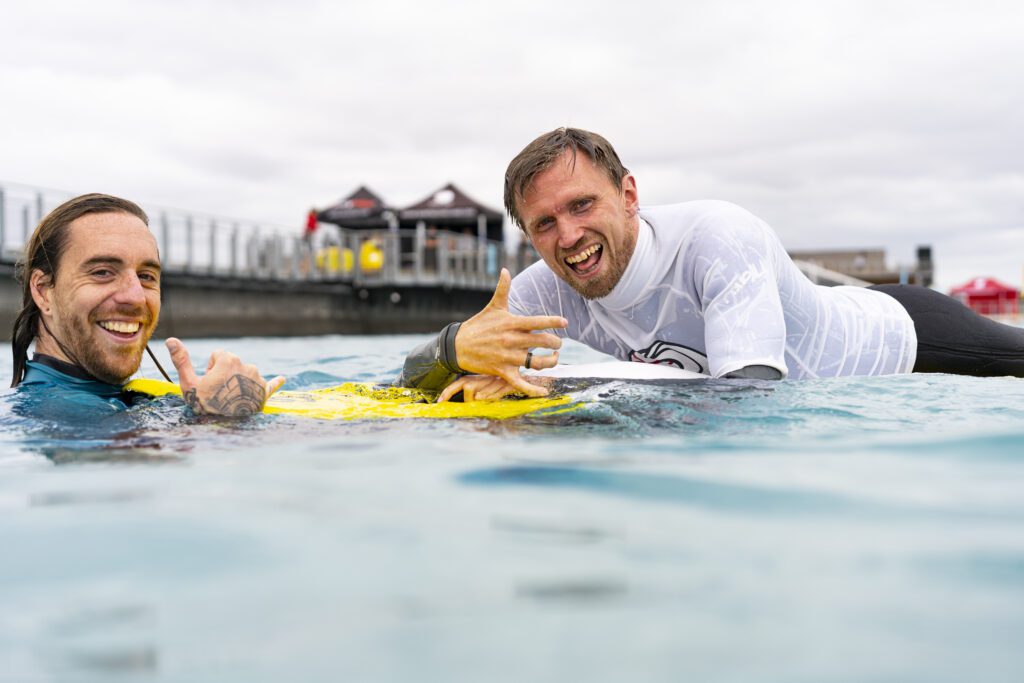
{"x": 581, "y": 224}
{"x": 104, "y": 303}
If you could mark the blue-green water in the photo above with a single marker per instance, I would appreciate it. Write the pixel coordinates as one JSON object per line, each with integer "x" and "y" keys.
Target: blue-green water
{"x": 837, "y": 530}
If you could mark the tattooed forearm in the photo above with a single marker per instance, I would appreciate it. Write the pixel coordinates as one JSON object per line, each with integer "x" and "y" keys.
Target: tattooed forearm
{"x": 238, "y": 397}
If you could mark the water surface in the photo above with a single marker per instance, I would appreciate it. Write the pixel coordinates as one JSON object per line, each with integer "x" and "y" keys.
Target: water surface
{"x": 835, "y": 530}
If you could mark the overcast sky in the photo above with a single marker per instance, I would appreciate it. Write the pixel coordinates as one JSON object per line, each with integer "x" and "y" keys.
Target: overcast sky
{"x": 843, "y": 124}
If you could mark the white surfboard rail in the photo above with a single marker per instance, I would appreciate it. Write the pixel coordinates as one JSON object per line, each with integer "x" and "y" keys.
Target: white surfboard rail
{"x": 620, "y": 369}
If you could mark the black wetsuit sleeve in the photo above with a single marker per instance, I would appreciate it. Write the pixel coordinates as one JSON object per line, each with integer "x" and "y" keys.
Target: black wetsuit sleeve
{"x": 755, "y": 372}
{"x": 432, "y": 365}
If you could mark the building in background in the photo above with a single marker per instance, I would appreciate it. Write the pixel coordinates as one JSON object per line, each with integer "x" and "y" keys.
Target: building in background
{"x": 450, "y": 209}
{"x": 361, "y": 210}
{"x": 870, "y": 266}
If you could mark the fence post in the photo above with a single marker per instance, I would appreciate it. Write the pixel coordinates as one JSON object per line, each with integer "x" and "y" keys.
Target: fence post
{"x": 391, "y": 249}
{"x": 188, "y": 247}
{"x": 260, "y": 253}
{"x": 443, "y": 257}
{"x": 39, "y": 207}
{"x": 311, "y": 249}
{"x": 267, "y": 244}
{"x": 354, "y": 243}
{"x": 308, "y": 260}
{"x": 24, "y": 224}
{"x": 165, "y": 237}
{"x": 252, "y": 259}
{"x": 279, "y": 250}
{"x": 417, "y": 253}
{"x": 234, "y": 250}
{"x": 3, "y": 220}
{"x": 213, "y": 246}
{"x": 275, "y": 271}
{"x": 481, "y": 249}
{"x": 270, "y": 247}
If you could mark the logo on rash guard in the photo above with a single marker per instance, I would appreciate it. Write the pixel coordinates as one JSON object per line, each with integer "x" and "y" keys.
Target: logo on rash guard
{"x": 676, "y": 355}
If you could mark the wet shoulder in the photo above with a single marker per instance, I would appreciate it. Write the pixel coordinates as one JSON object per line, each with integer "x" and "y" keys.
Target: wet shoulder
{"x": 711, "y": 231}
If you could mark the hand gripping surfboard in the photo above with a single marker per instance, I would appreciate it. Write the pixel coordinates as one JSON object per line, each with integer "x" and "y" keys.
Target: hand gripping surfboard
{"x": 360, "y": 401}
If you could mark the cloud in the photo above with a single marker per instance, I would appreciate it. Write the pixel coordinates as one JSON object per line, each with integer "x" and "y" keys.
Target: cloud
{"x": 842, "y": 123}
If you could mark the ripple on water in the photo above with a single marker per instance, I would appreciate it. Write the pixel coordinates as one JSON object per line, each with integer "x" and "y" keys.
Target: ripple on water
{"x": 739, "y": 530}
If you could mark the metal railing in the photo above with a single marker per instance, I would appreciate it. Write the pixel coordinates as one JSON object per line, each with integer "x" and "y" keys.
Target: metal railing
{"x": 206, "y": 245}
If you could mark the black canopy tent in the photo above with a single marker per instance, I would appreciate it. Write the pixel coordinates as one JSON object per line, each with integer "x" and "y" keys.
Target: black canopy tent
{"x": 361, "y": 210}
{"x": 449, "y": 208}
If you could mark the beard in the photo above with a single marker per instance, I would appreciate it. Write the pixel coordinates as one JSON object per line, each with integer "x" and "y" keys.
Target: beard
{"x": 600, "y": 287}
{"x": 107, "y": 362}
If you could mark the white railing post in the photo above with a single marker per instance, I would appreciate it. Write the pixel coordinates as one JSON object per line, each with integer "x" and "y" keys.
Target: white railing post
{"x": 213, "y": 246}
{"x": 3, "y": 220}
{"x": 481, "y": 248}
{"x": 188, "y": 245}
{"x": 234, "y": 250}
{"x": 417, "y": 257}
{"x": 443, "y": 256}
{"x": 165, "y": 238}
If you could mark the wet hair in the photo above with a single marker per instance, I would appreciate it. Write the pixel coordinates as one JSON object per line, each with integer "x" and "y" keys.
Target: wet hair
{"x": 43, "y": 252}
{"x": 538, "y": 156}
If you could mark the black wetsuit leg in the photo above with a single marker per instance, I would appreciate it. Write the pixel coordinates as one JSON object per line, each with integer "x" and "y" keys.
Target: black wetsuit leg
{"x": 952, "y": 338}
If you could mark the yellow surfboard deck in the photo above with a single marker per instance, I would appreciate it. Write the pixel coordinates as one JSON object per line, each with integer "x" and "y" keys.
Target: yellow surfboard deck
{"x": 355, "y": 401}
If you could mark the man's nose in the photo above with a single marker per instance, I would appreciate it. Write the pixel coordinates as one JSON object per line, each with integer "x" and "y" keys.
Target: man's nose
{"x": 131, "y": 291}
{"x": 569, "y": 233}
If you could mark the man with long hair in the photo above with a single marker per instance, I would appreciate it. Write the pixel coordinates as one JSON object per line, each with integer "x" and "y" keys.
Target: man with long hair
{"x": 90, "y": 281}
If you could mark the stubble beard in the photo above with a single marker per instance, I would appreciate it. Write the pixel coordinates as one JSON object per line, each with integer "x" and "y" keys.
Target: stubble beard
{"x": 80, "y": 339}
{"x": 600, "y": 287}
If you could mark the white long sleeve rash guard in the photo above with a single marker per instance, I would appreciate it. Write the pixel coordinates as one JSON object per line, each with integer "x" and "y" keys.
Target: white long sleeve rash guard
{"x": 710, "y": 289}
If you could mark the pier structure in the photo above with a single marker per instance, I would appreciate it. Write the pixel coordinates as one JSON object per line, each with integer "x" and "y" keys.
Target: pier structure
{"x": 230, "y": 277}
{"x": 870, "y": 266}
{"x": 368, "y": 269}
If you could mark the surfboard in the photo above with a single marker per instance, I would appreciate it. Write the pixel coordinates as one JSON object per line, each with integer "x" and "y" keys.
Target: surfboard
{"x": 359, "y": 401}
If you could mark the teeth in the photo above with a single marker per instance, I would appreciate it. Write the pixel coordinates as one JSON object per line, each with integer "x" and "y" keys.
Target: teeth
{"x": 122, "y": 327}
{"x": 583, "y": 255}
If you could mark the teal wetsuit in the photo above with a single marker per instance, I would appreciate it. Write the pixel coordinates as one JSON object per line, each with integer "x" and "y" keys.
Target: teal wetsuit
{"x": 68, "y": 415}
{"x": 74, "y": 384}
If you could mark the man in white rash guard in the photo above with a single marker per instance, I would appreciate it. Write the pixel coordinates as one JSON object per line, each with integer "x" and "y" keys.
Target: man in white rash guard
{"x": 703, "y": 285}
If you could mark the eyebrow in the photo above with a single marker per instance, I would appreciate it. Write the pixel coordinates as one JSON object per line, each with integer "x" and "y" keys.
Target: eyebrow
{"x": 117, "y": 261}
{"x": 593, "y": 196}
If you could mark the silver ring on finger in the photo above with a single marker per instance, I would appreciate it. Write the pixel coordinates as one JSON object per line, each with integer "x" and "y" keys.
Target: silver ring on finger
{"x": 529, "y": 357}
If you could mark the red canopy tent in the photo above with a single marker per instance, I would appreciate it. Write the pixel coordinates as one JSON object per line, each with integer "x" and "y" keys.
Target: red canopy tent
{"x": 988, "y": 296}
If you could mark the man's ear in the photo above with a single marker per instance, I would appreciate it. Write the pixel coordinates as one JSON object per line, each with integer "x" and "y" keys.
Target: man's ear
{"x": 41, "y": 286}
{"x": 630, "y": 198}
